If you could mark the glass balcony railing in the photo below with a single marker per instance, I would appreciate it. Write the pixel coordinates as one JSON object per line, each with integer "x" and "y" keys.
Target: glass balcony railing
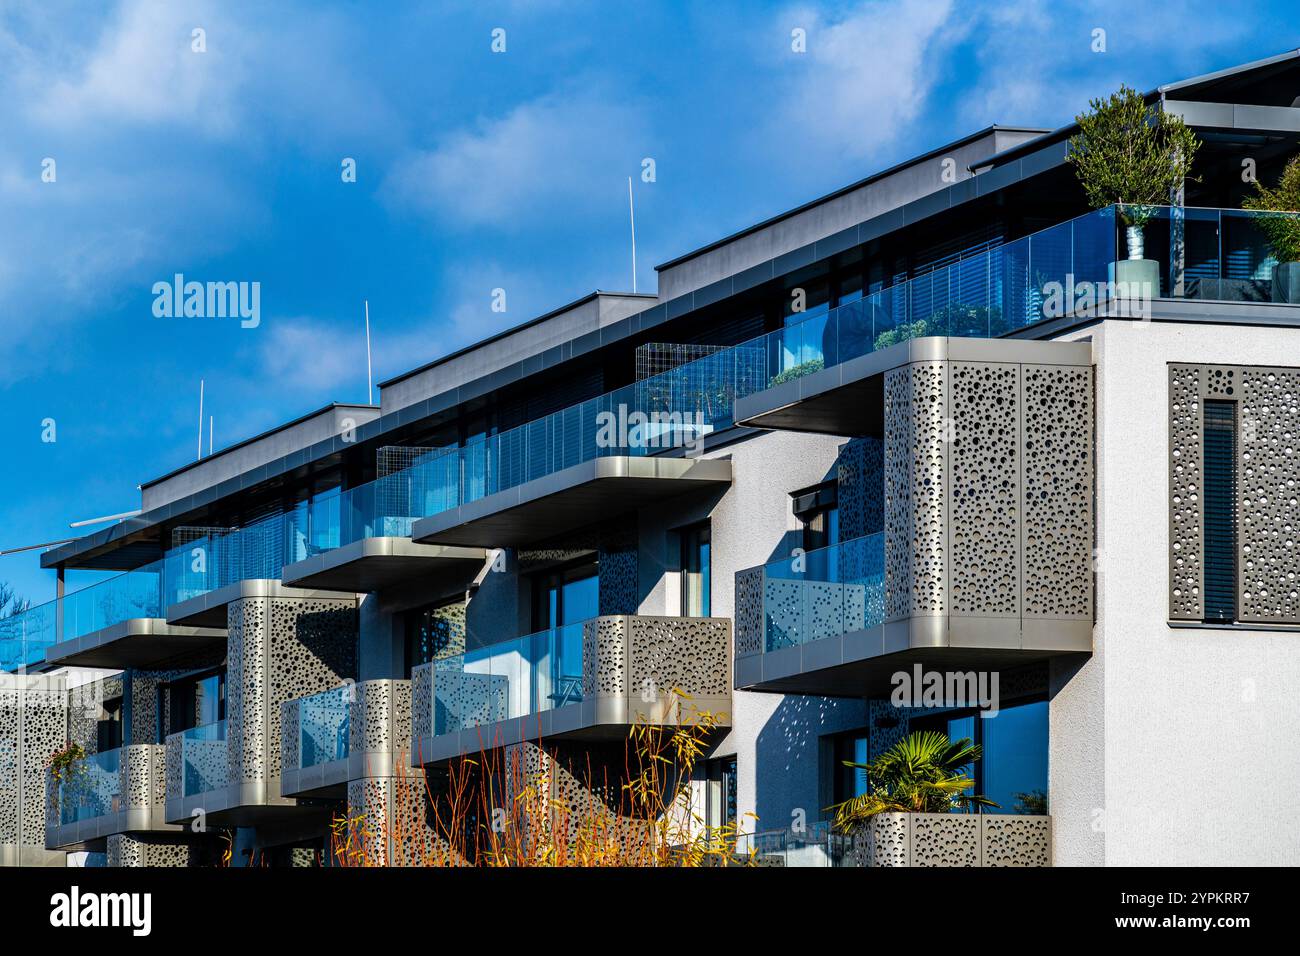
{"x": 824, "y": 593}
{"x": 25, "y": 636}
{"x": 1216, "y": 254}
{"x": 323, "y": 727}
{"x": 134, "y": 594}
{"x": 669, "y": 410}
{"x": 818, "y": 845}
{"x": 90, "y": 788}
{"x": 515, "y": 678}
{"x": 256, "y": 551}
{"x": 204, "y": 759}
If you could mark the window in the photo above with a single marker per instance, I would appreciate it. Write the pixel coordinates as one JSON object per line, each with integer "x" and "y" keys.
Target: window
{"x": 108, "y": 729}
{"x": 721, "y": 804}
{"x": 696, "y": 573}
{"x": 818, "y": 511}
{"x": 431, "y": 630}
{"x": 848, "y": 782}
{"x": 566, "y": 596}
{"x": 1012, "y": 770}
{"x": 1220, "y": 510}
{"x": 195, "y": 700}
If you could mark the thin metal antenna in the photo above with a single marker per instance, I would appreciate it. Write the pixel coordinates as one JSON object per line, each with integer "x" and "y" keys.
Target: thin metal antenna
{"x": 200, "y": 454}
{"x": 209, "y": 436}
{"x": 370, "y": 387}
{"x": 631, "y": 212}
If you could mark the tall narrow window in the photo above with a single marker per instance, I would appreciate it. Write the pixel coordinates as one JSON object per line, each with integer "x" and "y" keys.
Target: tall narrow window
{"x": 696, "y": 583}
{"x": 1219, "y": 510}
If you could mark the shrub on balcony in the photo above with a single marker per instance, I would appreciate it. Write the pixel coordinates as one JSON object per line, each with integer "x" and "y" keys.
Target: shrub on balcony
{"x": 1282, "y": 232}
{"x": 798, "y": 371}
{"x": 925, "y": 772}
{"x": 901, "y": 333}
{"x": 1130, "y": 156}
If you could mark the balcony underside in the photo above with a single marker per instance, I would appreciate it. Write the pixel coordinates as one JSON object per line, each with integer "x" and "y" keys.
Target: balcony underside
{"x": 375, "y": 564}
{"x": 863, "y": 663}
{"x": 600, "y": 719}
{"x": 848, "y": 398}
{"x": 209, "y": 610}
{"x": 91, "y": 833}
{"x": 248, "y": 805}
{"x": 141, "y": 642}
{"x": 574, "y": 497}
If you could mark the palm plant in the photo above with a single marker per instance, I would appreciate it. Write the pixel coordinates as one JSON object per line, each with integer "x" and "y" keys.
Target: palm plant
{"x": 924, "y": 772}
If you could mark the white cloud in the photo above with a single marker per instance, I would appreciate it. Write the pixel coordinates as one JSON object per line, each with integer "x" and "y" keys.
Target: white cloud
{"x": 143, "y": 70}
{"x": 563, "y": 153}
{"x": 864, "y": 78}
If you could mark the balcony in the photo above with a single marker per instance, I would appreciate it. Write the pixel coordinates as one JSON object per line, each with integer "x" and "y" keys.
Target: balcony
{"x": 840, "y": 621}
{"x": 198, "y": 772}
{"x": 348, "y": 733}
{"x": 116, "y": 623}
{"x": 590, "y": 680}
{"x": 821, "y": 372}
{"x": 575, "y": 466}
{"x": 116, "y": 791}
{"x": 570, "y": 498}
{"x": 359, "y": 540}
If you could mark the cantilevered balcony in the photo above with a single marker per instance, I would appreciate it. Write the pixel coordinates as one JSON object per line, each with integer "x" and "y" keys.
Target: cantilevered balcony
{"x": 821, "y": 372}
{"x": 626, "y": 448}
{"x": 116, "y": 623}
{"x": 359, "y": 540}
{"x": 586, "y": 681}
{"x": 206, "y": 575}
{"x": 352, "y": 732}
{"x": 115, "y": 791}
{"x": 973, "y": 475}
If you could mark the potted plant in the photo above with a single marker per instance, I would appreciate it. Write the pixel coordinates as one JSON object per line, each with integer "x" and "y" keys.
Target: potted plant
{"x": 924, "y": 772}
{"x": 67, "y": 770}
{"x": 906, "y": 817}
{"x": 1135, "y": 158}
{"x": 1282, "y": 231}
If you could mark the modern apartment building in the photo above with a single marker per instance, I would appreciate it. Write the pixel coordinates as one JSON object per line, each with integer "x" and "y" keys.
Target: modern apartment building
{"x": 911, "y": 428}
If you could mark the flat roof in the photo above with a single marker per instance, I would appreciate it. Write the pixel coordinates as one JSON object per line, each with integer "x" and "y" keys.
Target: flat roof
{"x": 845, "y": 190}
{"x": 256, "y": 438}
{"x": 506, "y": 333}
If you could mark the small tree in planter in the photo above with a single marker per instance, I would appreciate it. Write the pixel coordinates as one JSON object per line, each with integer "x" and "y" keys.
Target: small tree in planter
{"x": 1282, "y": 231}
{"x": 1132, "y": 157}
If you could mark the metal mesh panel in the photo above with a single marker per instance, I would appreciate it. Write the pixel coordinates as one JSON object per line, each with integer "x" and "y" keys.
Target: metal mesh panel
{"x": 655, "y": 358}
{"x": 393, "y": 458}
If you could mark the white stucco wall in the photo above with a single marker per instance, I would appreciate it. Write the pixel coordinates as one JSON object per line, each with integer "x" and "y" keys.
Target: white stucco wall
{"x": 774, "y": 737}
{"x": 1198, "y": 724}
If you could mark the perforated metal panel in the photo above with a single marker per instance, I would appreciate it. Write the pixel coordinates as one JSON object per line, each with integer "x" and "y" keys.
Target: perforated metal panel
{"x": 1267, "y": 476}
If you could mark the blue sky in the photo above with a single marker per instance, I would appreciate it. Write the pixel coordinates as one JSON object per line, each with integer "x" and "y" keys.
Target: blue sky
{"x": 475, "y": 170}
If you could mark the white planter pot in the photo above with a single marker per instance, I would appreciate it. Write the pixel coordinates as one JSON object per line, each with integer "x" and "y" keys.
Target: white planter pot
{"x": 1286, "y": 282}
{"x": 1140, "y": 277}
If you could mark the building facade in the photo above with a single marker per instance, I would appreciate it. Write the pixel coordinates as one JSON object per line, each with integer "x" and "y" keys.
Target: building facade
{"x": 911, "y": 457}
